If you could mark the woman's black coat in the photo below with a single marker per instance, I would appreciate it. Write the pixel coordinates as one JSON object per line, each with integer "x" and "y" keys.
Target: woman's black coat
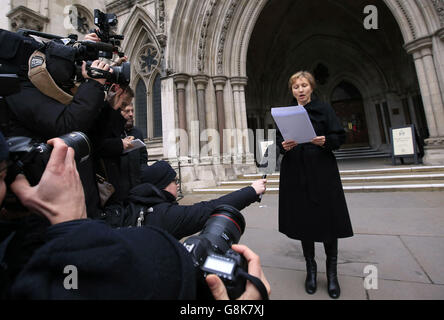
{"x": 312, "y": 204}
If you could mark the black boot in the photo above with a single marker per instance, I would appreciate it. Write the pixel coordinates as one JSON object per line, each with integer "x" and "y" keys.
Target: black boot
{"x": 334, "y": 290}
{"x": 331, "y": 250}
{"x": 310, "y": 280}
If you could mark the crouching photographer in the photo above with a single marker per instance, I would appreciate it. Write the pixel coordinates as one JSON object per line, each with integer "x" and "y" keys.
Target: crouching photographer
{"x": 156, "y": 265}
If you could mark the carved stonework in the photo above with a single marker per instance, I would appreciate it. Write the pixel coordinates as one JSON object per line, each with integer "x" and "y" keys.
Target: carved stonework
{"x": 81, "y": 20}
{"x": 161, "y": 16}
{"x": 120, "y": 5}
{"x": 407, "y": 16}
{"x": 148, "y": 59}
{"x": 203, "y": 35}
{"x": 24, "y": 18}
{"x": 435, "y": 142}
{"x": 223, "y": 35}
{"x": 439, "y": 7}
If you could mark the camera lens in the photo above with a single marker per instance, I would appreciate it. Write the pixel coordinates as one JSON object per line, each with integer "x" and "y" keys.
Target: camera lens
{"x": 80, "y": 143}
{"x": 224, "y": 228}
{"x": 121, "y": 74}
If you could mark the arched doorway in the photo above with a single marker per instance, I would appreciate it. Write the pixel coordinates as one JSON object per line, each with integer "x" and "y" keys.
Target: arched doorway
{"x": 299, "y": 35}
{"x": 348, "y": 104}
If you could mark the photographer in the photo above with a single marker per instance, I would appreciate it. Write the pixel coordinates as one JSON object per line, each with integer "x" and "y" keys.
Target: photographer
{"x": 153, "y": 202}
{"x": 31, "y": 113}
{"x": 155, "y": 265}
{"x": 107, "y": 139}
{"x": 132, "y": 162}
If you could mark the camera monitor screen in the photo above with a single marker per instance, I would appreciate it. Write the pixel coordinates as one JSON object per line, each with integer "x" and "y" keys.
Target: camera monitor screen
{"x": 218, "y": 265}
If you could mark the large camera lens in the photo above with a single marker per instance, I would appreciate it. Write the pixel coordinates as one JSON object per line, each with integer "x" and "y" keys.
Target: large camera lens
{"x": 121, "y": 74}
{"x": 224, "y": 228}
{"x": 80, "y": 143}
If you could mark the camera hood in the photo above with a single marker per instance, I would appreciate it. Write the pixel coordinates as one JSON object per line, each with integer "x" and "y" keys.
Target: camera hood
{"x": 232, "y": 214}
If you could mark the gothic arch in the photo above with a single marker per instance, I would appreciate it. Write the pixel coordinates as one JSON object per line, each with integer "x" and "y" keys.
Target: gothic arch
{"x": 138, "y": 21}
{"x": 212, "y": 36}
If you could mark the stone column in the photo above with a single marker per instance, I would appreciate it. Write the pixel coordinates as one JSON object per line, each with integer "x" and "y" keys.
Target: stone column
{"x": 239, "y": 84}
{"x": 432, "y": 98}
{"x": 219, "y": 84}
{"x": 181, "y": 81}
{"x": 201, "y": 82}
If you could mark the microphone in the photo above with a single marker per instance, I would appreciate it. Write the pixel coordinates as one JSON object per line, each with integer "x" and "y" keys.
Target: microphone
{"x": 260, "y": 196}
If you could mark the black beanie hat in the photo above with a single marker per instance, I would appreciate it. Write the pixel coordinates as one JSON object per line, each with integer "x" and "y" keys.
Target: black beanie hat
{"x": 160, "y": 174}
{"x": 3, "y": 148}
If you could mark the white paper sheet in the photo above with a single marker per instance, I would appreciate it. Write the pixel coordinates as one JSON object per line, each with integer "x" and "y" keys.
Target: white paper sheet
{"x": 137, "y": 143}
{"x": 294, "y": 123}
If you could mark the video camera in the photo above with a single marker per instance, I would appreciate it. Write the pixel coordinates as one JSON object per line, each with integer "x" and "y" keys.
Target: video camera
{"x": 106, "y": 23}
{"x": 64, "y": 55}
{"x": 212, "y": 254}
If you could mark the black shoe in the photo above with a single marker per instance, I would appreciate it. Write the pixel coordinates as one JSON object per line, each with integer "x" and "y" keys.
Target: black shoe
{"x": 310, "y": 281}
{"x": 333, "y": 288}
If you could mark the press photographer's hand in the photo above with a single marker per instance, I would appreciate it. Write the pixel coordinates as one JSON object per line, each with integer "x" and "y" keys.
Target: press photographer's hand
{"x": 59, "y": 194}
{"x": 218, "y": 288}
{"x": 98, "y": 64}
{"x": 260, "y": 186}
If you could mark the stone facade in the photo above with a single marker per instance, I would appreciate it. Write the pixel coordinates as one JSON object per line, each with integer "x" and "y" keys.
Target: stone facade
{"x": 216, "y": 68}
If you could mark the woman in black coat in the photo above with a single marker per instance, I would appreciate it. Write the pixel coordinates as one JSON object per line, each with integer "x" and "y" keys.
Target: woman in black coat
{"x": 312, "y": 206}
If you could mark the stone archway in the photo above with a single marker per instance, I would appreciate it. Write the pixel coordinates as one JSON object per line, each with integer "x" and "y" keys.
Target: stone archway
{"x": 209, "y": 65}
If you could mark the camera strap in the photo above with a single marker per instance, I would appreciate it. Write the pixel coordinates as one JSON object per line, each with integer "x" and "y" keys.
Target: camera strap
{"x": 42, "y": 80}
{"x": 256, "y": 282}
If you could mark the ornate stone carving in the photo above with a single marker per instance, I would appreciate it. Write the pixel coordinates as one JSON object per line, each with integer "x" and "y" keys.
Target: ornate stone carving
{"x": 437, "y": 142}
{"x": 161, "y": 16}
{"x": 80, "y": 20}
{"x": 409, "y": 19}
{"x": 439, "y": 7}
{"x": 148, "y": 59}
{"x": 203, "y": 35}
{"x": 223, "y": 35}
{"x": 22, "y": 17}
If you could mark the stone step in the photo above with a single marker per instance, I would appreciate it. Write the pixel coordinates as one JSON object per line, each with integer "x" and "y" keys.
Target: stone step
{"x": 363, "y": 172}
{"x": 353, "y": 179}
{"x": 415, "y": 178}
{"x": 347, "y": 189}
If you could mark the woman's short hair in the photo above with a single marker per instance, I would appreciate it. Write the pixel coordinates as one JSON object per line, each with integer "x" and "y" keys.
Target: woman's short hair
{"x": 302, "y": 74}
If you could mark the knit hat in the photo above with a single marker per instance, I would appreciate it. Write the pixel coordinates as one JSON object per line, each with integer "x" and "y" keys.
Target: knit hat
{"x": 3, "y": 148}
{"x": 160, "y": 174}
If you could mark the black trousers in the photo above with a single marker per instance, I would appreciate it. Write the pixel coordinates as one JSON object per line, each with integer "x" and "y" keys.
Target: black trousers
{"x": 331, "y": 248}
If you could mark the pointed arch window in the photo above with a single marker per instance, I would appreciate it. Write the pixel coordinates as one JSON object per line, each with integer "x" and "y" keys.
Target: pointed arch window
{"x": 157, "y": 108}
{"x": 141, "y": 107}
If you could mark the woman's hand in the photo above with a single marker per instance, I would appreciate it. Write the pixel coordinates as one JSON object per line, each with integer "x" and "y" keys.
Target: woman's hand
{"x": 319, "y": 141}
{"x": 289, "y": 144}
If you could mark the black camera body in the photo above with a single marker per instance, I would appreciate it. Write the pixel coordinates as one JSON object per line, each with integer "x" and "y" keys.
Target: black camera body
{"x": 106, "y": 22}
{"x": 30, "y": 156}
{"x": 212, "y": 254}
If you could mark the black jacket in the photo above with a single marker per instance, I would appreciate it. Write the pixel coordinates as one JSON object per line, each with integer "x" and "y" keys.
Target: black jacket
{"x": 106, "y": 263}
{"x": 108, "y": 148}
{"x": 312, "y": 204}
{"x": 131, "y": 163}
{"x": 35, "y": 115}
{"x": 180, "y": 221}
{"x": 39, "y": 116}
